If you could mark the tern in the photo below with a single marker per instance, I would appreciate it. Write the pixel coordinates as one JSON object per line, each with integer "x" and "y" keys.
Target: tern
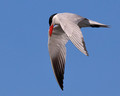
{"x": 64, "y": 27}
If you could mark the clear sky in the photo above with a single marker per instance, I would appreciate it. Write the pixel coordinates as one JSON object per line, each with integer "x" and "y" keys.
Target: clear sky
{"x": 25, "y": 68}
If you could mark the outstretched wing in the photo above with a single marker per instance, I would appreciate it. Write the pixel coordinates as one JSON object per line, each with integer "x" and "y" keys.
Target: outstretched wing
{"x": 57, "y": 51}
{"x": 69, "y": 24}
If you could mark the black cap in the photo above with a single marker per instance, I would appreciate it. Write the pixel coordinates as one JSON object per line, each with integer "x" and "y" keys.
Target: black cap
{"x": 50, "y": 19}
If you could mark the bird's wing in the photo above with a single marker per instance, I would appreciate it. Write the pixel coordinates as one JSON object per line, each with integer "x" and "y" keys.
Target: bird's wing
{"x": 81, "y": 21}
{"x": 57, "y": 51}
{"x": 70, "y": 27}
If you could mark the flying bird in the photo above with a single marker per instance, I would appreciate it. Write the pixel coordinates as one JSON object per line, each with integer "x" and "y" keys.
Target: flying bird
{"x": 64, "y": 27}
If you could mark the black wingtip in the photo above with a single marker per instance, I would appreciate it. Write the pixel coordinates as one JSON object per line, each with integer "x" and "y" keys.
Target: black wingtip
{"x": 61, "y": 85}
{"x": 61, "y": 88}
{"x": 96, "y": 26}
{"x": 60, "y": 81}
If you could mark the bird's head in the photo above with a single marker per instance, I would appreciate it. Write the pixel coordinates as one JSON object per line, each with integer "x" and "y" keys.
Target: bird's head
{"x": 51, "y": 25}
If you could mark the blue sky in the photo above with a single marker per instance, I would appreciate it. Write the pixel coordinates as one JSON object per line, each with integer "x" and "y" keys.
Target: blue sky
{"x": 25, "y": 68}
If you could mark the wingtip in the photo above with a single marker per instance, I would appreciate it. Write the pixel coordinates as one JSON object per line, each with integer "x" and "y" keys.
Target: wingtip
{"x": 108, "y": 26}
{"x": 62, "y": 88}
{"x": 98, "y": 25}
{"x": 60, "y": 84}
{"x": 87, "y": 54}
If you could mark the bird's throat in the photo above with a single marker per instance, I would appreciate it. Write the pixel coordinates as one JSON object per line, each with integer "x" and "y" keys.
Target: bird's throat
{"x": 50, "y": 30}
